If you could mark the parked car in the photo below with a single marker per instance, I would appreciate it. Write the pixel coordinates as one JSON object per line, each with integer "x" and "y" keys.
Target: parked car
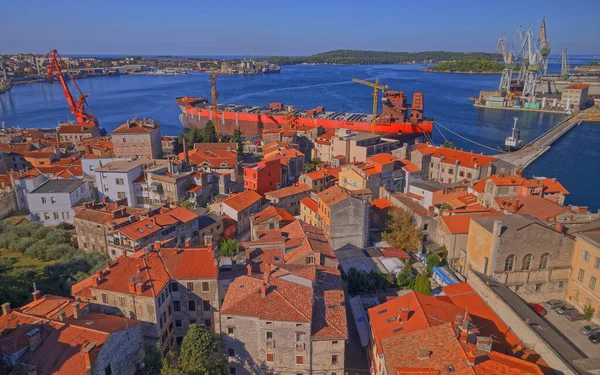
{"x": 539, "y": 309}
{"x": 594, "y": 338}
{"x": 575, "y": 316}
{"x": 565, "y": 309}
{"x": 589, "y": 329}
{"x": 554, "y": 303}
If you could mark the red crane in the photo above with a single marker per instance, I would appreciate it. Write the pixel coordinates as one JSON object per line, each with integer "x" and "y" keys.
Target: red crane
{"x": 78, "y": 107}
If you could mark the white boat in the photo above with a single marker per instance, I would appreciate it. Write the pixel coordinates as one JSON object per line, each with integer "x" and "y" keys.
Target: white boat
{"x": 513, "y": 142}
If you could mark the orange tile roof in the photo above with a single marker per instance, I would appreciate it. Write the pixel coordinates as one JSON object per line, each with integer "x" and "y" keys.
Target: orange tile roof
{"x": 144, "y": 228}
{"x": 327, "y": 135}
{"x": 310, "y": 203}
{"x": 227, "y": 146}
{"x": 271, "y": 212}
{"x": 316, "y": 175}
{"x": 424, "y": 311}
{"x": 409, "y": 166}
{"x": 215, "y": 158}
{"x": 18, "y": 148}
{"x": 425, "y": 149}
{"x": 69, "y": 129}
{"x": 333, "y": 195}
{"x": 538, "y": 207}
{"x": 468, "y": 199}
{"x": 381, "y": 203}
{"x": 288, "y": 191}
{"x": 136, "y": 126}
{"x": 241, "y": 201}
{"x": 577, "y": 86}
{"x": 324, "y": 143}
{"x": 459, "y": 224}
{"x": 382, "y": 159}
{"x": 415, "y": 196}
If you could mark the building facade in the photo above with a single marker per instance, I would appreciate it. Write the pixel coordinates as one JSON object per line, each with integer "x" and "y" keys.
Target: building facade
{"x": 289, "y": 198}
{"x": 52, "y": 202}
{"x": 137, "y": 138}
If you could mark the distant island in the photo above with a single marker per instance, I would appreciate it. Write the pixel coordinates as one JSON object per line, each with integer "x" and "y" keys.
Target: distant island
{"x": 358, "y": 57}
{"x": 473, "y": 66}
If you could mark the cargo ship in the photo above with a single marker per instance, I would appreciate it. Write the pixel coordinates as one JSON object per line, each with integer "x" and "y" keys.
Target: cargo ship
{"x": 398, "y": 119}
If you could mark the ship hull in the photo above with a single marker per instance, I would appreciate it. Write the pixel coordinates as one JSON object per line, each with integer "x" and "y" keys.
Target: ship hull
{"x": 252, "y": 124}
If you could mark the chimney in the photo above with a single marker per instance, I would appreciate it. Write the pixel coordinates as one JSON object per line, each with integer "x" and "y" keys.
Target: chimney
{"x": 188, "y": 242}
{"x": 403, "y": 317}
{"x": 156, "y": 245}
{"x": 31, "y": 369}
{"x": 497, "y": 231}
{"x": 139, "y": 268}
{"x": 518, "y": 173}
{"x": 87, "y": 360}
{"x": 416, "y": 141}
{"x": 5, "y": 309}
{"x": 464, "y": 335}
{"x": 470, "y": 358}
{"x": 249, "y": 268}
{"x": 484, "y": 343}
{"x": 37, "y": 295}
{"x": 61, "y": 315}
{"x": 132, "y": 287}
{"x": 263, "y": 290}
{"x": 34, "y": 338}
{"x": 108, "y": 265}
{"x": 139, "y": 288}
{"x": 559, "y": 226}
{"x": 76, "y": 310}
{"x": 424, "y": 354}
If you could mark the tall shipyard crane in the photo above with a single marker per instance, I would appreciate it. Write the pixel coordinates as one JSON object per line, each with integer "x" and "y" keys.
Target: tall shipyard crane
{"x": 509, "y": 63}
{"x": 376, "y": 87}
{"x": 544, "y": 50}
{"x": 215, "y": 105}
{"x": 533, "y": 60}
{"x": 564, "y": 66}
{"x": 79, "y": 108}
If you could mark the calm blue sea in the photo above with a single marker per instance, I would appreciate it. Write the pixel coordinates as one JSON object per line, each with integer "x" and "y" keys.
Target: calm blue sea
{"x": 115, "y": 99}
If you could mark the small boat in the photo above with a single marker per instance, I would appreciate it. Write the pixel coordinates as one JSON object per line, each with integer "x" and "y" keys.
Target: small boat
{"x": 513, "y": 142}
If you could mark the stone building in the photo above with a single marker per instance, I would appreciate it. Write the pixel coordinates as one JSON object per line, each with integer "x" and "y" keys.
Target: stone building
{"x": 239, "y": 207}
{"x": 584, "y": 288}
{"x": 287, "y": 320}
{"x": 94, "y": 221}
{"x": 75, "y": 134}
{"x": 344, "y": 217}
{"x": 58, "y": 335}
{"x": 574, "y": 96}
{"x": 532, "y": 259}
{"x": 317, "y": 180}
{"x": 166, "y": 289}
{"x": 137, "y": 138}
{"x": 289, "y": 198}
{"x": 357, "y": 147}
{"x": 270, "y": 217}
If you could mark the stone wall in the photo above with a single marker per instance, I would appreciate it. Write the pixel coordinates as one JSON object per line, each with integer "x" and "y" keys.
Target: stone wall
{"x": 518, "y": 325}
{"x": 123, "y": 350}
{"x": 323, "y": 353}
{"x": 8, "y": 203}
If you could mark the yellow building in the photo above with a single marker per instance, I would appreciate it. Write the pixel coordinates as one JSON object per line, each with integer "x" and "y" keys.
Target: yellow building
{"x": 584, "y": 286}
{"x": 309, "y": 211}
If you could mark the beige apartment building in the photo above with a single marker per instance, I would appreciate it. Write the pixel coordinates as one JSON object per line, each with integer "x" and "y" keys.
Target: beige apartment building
{"x": 166, "y": 289}
{"x": 357, "y": 147}
{"x": 75, "y": 134}
{"x": 574, "y": 96}
{"x": 584, "y": 286}
{"x": 137, "y": 138}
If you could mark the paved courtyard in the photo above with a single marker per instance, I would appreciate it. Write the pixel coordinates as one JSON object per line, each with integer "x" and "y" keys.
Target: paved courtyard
{"x": 571, "y": 331}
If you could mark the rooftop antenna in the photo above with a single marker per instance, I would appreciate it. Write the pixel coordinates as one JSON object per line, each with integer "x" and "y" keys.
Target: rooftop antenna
{"x": 34, "y": 287}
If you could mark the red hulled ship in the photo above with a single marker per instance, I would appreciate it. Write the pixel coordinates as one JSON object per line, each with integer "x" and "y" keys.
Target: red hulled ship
{"x": 398, "y": 119}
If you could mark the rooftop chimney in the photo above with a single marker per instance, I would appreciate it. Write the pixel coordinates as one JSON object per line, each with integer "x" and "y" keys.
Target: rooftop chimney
{"x": 61, "y": 315}
{"x": 470, "y": 358}
{"x": 34, "y": 338}
{"x": 156, "y": 245}
{"x": 5, "y": 309}
{"x": 403, "y": 317}
{"x": 37, "y": 295}
{"x": 188, "y": 242}
{"x": 31, "y": 369}
{"x": 132, "y": 287}
{"x": 76, "y": 310}
{"x": 484, "y": 343}
{"x": 424, "y": 354}
{"x": 208, "y": 240}
{"x": 497, "y": 231}
{"x": 559, "y": 226}
{"x": 464, "y": 335}
{"x": 263, "y": 290}
{"x": 87, "y": 360}
{"x": 249, "y": 268}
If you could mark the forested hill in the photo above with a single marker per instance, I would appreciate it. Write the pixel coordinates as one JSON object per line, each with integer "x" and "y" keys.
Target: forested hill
{"x": 467, "y": 66}
{"x": 357, "y": 57}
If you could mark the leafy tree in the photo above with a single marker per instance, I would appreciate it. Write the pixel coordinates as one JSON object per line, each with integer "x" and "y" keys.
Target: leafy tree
{"x": 472, "y": 65}
{"x": 448, "y": 144}
{"x": 229, "y": 247}
{"x": 433, "y": 260}
{"x": 402, "y": 232}
{"x": 210, "y": 133}
{"x": 588, "y": 312}
{"x": 366, "y": 282}
{"x": 188, "y": 204}
{"x": 422, "y": 285}
{"x": 311, "y": 166}
{"x": 237, "y": 138}
{"x": 405, "y": 279}
{"x": 196, "y": 356}
{"x": 66, "y": 226}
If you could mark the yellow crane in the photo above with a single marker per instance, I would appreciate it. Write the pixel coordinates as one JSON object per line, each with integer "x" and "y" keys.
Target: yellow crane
{"x": 214, "y": 96}
{"x": 376, "y": 87}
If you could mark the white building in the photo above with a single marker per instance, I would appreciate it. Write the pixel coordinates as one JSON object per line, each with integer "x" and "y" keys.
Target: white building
{"x": 53, "y": 201}
{"x": 24, "y": 184}
{"x": 115, "y": 180}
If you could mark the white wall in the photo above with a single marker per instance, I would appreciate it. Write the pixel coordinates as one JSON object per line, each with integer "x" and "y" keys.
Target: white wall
{"x": 107, "y": 184}
{"x": 53, "y": 208}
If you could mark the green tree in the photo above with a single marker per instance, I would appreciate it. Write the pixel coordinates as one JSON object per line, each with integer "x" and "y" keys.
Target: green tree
{"x": 210, "y": 133}
{"x": 366, "y": 282}
{"x": 229, "y": 247}
{"x": 433, "y": 260}
{"x": 405, "y": 279}
{"x": 588, "y": 312}
{"x": 422, "y": 285}
{"x": 311, "y": 166}
{"x": 237, "y": 138}
{"x": 402, "y": 233}
{"x": 448, "y": 144}
{"x": 188, "y": 204}
{"x": 197, "y": 355}
{"x": 66, "y": 226}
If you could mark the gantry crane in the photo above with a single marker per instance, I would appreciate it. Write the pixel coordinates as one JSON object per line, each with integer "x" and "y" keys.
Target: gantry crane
{"x": 509, "y": 63}
{"x": 215, "y": 105}
{"x": 564, "y": 66}
{"x": 376, "y": 87}
{"x": 533, "y": 60}
{"x": 78, "y": 107}
{"x": 544, "y": 47}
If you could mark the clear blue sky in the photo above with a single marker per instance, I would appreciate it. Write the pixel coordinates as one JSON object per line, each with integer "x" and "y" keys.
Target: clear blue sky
{"x": 287, "y": 27}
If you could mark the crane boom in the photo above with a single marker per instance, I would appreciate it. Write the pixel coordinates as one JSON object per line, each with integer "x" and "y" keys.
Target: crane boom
{"x": 78, "y": 107}
{"x": 501, "y": 45}
{"x": 376, "y": 87}
{"x": 215, "y": 96}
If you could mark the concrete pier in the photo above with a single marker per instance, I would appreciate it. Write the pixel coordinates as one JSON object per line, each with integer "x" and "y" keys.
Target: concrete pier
{"x": 528, "y": 154}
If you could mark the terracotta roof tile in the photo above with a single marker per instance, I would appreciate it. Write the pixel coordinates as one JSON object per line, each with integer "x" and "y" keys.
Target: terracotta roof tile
{"x": 136, "y": 126}
{"x": 241, "y": 201}
{"x": 459, "y": 224}
{"x": 283, "y": 216}
{"x": 288, "y": 191}
{"x": 310, "y": 203}
{"x": 333, "y": 195}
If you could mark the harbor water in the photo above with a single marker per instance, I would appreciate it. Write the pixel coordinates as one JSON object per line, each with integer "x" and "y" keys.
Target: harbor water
{"x": 115, "y": 99}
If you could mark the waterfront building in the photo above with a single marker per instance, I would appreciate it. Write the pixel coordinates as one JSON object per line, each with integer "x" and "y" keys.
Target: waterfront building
{"x": 76, "y": 134}
{"x": 574, "y": 96}
{"x": 357, "y": 147}
{"x": 52, "y": 202}
{"x": 139, "y": 139}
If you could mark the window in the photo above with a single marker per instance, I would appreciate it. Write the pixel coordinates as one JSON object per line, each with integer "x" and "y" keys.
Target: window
{"x": 121, "y": 301}
{"x": 192, "y": 321}
{"x": 509, "y": 263}
{"x": 334, "y": 359}
{"x": 119, "y": 181}
{"x": 527, "y": 259}
{"x": 299, "y": 336}
{"x": 544, "y": 261}
{"x": 585, "y": 255}
{"x": 174, "y": 287}
{"x": 190, "y": 286}
{"x": 269, "y": 335}
{"x": 108, "y": 370}
{"x": 207, "y": 323}
{"x": 124, "y": 140}
{"x": 179, "y": 340}
{"x": 104, "y": 298}
{"x": 205, "y": 305}
{"x": 230, "y": 330}
{"x": 597, "y": 264}
{"x": 43, "y": 200}
{"x": 592, "y": 283}
{"x": 310, "y": 260}
{"x": 205, "y": 286}
{"x": 176, "y": 305}
{"x": 232, "y": 371}
{"x": 270, "y": 357}
{"x": 299, "y": 359}
{"x": 52, "y": 200}
{"x": 56, "y": 217}
{"x": 192, "y": 305}
{"x": 231, "y": 352}
{"x": 178, "y": 323}
{"x": 121, "y": 195}
{"x": 580, "y": 274}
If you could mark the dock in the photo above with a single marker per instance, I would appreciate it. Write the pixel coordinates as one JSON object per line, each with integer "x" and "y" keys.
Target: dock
{"x": 522, "y": 158}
